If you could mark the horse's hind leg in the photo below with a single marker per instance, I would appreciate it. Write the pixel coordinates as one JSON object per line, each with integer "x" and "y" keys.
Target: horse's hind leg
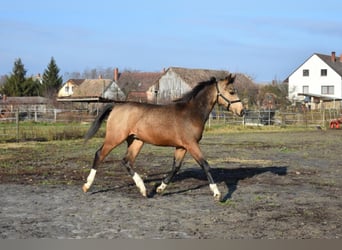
{"x": 133, "y": 148}
{"x": 100, "y": 154}
{"x": 177, "y": 163}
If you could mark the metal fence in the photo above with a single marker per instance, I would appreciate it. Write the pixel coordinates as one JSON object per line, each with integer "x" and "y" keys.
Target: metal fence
{"x": 276, "y": 118}
{"x": 46, "y": 124}
{"x": 63, "y": 124}
{"x": 48, "y": 115}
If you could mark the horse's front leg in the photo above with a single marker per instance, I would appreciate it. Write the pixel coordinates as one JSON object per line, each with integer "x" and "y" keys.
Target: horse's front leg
{"x": 196, "y": 152}
{"x": 177, "y": 163}
{"x": 212, "y": 185}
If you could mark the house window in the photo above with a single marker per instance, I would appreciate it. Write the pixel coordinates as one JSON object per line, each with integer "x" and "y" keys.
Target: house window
{"x": 305, "y": 72}
{"x": 324, "y": 72}
{"x": 327, "y": 90}
{"x": 67, "y": 89}
{"x": 305, "y": 89}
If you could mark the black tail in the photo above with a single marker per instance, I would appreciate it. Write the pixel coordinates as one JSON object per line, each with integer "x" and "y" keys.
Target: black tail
{"x": 98, "y": 121}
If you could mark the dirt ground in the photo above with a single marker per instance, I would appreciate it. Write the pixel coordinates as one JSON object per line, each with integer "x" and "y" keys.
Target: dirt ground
{"x": 276, "y": 185}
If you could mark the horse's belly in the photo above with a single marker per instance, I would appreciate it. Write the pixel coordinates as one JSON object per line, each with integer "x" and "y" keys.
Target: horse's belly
{"x": 159, "y": 138}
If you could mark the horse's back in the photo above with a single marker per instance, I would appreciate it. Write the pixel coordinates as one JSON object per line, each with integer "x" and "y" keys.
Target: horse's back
{"x": 154, "y": 124}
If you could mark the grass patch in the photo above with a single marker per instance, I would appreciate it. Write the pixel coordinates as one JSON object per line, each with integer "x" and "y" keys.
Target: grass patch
{"x": 48, "y": 131}
{"x": 227, "y": 129}
{"x": 32, "y": 131}
{"x": 229, "y": 203}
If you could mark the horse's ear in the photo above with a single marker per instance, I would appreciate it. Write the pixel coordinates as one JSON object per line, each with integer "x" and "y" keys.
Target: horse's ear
{"x": 212, "y": 79}
{"x": 231, "y": 78}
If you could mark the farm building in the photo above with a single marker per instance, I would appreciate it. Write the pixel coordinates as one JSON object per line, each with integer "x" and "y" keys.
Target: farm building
{"x": 26, "y": 106}
{"x": 89, "y": 94}
{"x": 162, "y": 87}
{"x": 152, "y": 87}
{"x": 176, "y": 81}
{"x": 68, "y": 87}
{"x": 138, "y": 86}
{"x": 317, "y": 83}
{"x": 91, "y": 90}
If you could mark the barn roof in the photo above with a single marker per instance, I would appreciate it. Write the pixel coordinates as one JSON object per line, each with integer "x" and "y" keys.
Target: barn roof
{"x": 194, "y": 76}
{"x": 92, "y": 88}
{"x": 137, "y": 81}
{"x": 76, "y": 82}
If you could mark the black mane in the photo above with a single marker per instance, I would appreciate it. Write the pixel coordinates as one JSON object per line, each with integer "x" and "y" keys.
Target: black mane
{"x": 192, "y": 93}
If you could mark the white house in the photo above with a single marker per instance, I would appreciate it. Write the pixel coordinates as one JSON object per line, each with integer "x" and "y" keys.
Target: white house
{"x": 318, "y": 80}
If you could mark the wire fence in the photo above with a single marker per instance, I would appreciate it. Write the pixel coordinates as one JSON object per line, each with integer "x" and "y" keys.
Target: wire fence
{"x": 277, "y": 118}
{"x": 55, "y": 124}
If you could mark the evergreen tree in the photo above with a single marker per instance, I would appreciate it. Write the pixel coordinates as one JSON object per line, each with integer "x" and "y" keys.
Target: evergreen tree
{"x": 14, "y": 84}
{"x": 31, "y": 87}
{"x": 51, "y": 79}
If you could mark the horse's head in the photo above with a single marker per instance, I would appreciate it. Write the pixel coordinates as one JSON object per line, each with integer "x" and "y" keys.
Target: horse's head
{"x": 227, "y": 95}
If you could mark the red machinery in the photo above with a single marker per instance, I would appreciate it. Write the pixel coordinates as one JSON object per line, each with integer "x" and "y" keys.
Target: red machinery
{"x": 335, "y": 123}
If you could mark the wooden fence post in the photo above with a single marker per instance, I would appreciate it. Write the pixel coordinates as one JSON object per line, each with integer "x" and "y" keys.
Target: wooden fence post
{"x": 17, "y": 123}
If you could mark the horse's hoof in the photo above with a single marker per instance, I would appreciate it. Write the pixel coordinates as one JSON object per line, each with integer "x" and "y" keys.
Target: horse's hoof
{"x": 161, "y": 188}
{"x": 85, "y": 188}
{"x": 217, "y": 197}
{"x": 217, "y": 193}
{"x": 144, "y": 193}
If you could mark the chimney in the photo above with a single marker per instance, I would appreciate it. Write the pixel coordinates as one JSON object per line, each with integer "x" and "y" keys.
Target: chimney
{"x": 333, "y": 56}
{"x": 116, "y": 74}
{"x": 341, "y": 58}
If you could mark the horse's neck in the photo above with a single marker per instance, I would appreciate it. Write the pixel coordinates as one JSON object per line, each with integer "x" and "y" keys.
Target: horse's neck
{"x": 204, "y": 102}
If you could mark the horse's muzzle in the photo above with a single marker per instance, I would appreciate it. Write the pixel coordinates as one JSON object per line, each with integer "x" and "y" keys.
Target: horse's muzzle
{"x": 242, "y": 113}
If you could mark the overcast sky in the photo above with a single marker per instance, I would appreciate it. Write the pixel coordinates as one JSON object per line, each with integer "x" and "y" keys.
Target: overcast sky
{"x": 264, "y": 39}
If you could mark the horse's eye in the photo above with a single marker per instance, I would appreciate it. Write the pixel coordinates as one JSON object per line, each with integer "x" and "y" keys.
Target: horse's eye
{"x": 232, "y": 91}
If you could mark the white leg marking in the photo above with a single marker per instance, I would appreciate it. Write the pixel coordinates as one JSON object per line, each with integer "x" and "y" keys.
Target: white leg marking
{"x": 90, "y": 180}
{"x": 161, "y": 187}
{"x": 140, "y": 184}
{"x": 214, "y": 189}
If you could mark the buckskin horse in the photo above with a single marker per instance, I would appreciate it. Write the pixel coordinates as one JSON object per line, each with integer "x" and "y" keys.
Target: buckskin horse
{"x": 179, "y": 124}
